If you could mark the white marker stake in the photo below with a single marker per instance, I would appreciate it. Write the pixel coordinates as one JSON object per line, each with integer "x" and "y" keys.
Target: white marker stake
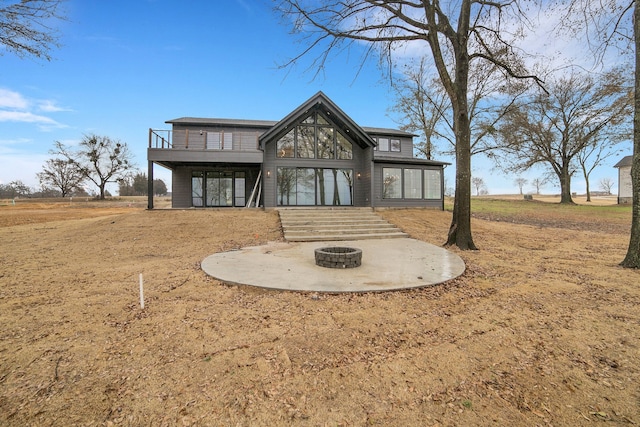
{"x": 141, "y": 293}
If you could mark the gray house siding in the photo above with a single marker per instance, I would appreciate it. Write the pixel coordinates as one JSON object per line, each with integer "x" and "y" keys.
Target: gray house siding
{"x": 178, "y": 156}
{"x": 181, "y": 187}
{"x": 362, "y": 187}
{"x": 406, "y": 146}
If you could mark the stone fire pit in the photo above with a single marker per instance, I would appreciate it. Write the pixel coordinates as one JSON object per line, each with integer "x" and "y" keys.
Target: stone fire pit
{"x": 338, "y": 257}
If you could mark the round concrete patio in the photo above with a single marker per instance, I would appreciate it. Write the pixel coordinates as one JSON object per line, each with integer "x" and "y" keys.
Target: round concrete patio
{"x": 387, "y": 264}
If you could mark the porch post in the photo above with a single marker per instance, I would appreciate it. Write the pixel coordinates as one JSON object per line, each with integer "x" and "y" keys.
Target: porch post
{"x": 150, "y": 185}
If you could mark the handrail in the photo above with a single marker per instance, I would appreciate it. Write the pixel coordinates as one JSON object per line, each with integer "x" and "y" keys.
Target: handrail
{"x": 199, "y": 140}
{"x": 160, "y": 138}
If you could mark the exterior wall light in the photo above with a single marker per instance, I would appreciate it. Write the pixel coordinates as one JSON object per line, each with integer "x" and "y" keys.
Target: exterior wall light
{"x": 268, "y": 174}
{"x": 358, "y": 175}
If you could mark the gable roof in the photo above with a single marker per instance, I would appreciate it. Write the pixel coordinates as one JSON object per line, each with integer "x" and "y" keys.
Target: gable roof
{"x": 625, "y": 161}
{"x": 323, "y": 103}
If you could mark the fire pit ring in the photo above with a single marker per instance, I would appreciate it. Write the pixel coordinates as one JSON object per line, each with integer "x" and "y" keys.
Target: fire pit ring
{"x": 338, "y": 257}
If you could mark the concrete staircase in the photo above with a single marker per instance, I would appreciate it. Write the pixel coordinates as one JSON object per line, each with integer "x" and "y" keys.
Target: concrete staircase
{"x": 321, "y": 224}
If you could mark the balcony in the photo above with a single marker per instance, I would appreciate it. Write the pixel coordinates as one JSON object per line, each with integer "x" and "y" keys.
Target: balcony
{"x": 184, "y": 146}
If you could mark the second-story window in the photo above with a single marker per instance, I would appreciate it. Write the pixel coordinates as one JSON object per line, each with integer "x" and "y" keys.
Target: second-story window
{"x": 315, "y": 138}
{"x": 220, "y": 140}
{"x": 388, "y": 145}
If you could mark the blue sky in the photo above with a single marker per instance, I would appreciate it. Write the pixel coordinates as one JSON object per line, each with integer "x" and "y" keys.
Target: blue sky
{"x": 127, "y": 66}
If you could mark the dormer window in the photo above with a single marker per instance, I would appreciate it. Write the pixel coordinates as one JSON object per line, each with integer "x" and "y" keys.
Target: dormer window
{"x": 388, "y": 144}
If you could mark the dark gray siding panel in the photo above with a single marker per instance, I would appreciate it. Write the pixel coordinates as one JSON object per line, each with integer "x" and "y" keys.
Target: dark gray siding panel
{"x": 269, "y": 176}
{"x": 208, "y": 156}
{"x": 406, "y": 148}
{"x": 181, "y": 188}
{"x": 362, "y": 186}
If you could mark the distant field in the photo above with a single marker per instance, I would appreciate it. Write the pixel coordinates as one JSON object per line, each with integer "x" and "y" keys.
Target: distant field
{"x": 580, "y": 199}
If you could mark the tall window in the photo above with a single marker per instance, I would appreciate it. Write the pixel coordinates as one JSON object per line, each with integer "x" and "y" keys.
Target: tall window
{"x": 219, "y": 188}
{"x": 344, "y": 149}
{"x": 314, "y": 186}
{"x": 391, "y": 183}
{"x": 413, "y": 183}
{"x": 286, "y": 145}
{"x": 306, "y": 142}
{"x": 432, "y": 184}
{"x": 326, "y": 143}
{"x": 197, "y": 187}
{"x": 315, "y": 138}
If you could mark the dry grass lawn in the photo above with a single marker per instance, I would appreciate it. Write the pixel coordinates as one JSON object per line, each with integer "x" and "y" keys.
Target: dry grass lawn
{"x": 542, "y": 329}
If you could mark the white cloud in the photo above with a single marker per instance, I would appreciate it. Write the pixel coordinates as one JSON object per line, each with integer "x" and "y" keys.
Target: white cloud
{"x": 49, "y": 106}
{"x": 11, "y": 99}
{"x": 25, "y": 117}
{"x": 16, "y": 108}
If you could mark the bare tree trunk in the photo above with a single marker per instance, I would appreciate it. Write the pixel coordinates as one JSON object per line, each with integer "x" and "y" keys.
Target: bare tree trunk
{"x": 586, "y": 180}
{"x": 460, "y": 229}
{"x": 632, "y": 259}
{"x": 565, "y": 185}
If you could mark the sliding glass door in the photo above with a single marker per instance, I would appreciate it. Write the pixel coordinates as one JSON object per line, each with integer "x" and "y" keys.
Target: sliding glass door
{"x": 218, "y": 188}
{"x": 314, "y": 187}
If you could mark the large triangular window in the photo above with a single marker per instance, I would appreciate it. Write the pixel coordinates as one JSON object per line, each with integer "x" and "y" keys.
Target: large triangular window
{"x": 315, "y": 137}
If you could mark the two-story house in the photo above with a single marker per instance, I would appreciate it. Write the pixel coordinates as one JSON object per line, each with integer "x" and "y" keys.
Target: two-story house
{"x": 315, "y": 156}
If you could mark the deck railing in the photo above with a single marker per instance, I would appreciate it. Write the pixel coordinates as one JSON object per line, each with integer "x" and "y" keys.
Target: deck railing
{"x": 207, "y": 140}
{"x": 160, "y": 138}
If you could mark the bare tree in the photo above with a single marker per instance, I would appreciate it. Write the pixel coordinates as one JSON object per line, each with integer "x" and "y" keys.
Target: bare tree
{"x": 15, "y": 189}
{"x": 422, "y": 103}
{"x": 456, "y": 33}
{"x": 538, "y": 183}
{"x": 606, "y": 184}
{"x": 479, "y": 185}
{"x": 61, "y": 174}
{"x": 521, "y": 182}
{"x": 99, "y": 159}
{"x": 26, "y": 26}
{"x": 616, "y": 24}
{"x": 553, "y": 128}
{"x": 593, "y": 156}
{"x": 424, "y": 106}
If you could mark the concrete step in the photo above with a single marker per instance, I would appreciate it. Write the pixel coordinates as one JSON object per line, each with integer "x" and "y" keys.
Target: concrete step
{"x": 339, "y": 237}
{"x": 327, "y": 227}
{"x": 334, "y": 230}
{"x": 303, "y": 225}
